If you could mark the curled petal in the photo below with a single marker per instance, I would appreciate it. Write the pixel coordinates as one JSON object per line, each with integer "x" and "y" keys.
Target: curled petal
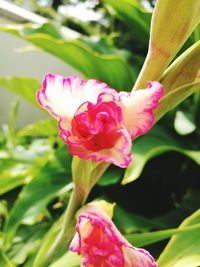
{"x": 136, "y": 257}
{"x": 118, "y": 153}
{"x": 100, "y": 243}
{"x": 62, "y": 96}
{"x": 138, "y": 108}
{"x": 97, "y": 132}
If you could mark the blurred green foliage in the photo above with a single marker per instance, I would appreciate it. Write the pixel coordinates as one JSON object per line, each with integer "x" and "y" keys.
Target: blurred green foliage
{"x": 35, "y": 167}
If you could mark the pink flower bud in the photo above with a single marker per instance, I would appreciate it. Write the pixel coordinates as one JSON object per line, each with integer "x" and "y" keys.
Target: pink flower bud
{"x": 100, "y": 244}
{"x": 95, "y": 121}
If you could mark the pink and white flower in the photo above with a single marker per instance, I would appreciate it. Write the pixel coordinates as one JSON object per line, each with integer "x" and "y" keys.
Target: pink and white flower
{"x": 94, "y": 120}
{"x": 100, "y": 244}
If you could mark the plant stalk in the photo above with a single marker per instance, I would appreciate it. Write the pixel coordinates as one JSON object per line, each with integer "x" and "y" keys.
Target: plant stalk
{"x": 77, "y": 199}
{"x": 82, "y": 188}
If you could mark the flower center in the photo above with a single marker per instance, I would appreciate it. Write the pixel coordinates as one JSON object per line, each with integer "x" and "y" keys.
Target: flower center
{"x": 97, "y": 126}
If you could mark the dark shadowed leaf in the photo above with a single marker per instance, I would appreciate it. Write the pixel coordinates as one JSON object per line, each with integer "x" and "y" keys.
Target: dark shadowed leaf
{"x": 156, "y": 142}
{"x": 40, "y": 191}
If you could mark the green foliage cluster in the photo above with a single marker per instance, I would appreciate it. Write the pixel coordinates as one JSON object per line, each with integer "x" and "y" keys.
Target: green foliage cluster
{"x": 35, "y": 166}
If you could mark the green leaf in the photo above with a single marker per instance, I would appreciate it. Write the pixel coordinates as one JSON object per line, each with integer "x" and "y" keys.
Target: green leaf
{"x": 52, "y": 178}
{"x": 104, "y": 67}
{"x": 50, "y": 238}
{"x": 4, "y": 261}
{"x": 167, "y": 36}
{"x": 134, "y": 15}
{"x": 69, "y": 259}
{"x": 196, "y": 34}
{"x": 156, "y": 142}
{"x": 144, "y": 239}
{"x": 21, "y": 164}
{"x": 17, "y": 175}
{"x": 183, "y": 250}
{"x": 175, "y": 97}
{"x": 182, "y": 208}
{"x": 26, "y": 242}
{"x": 130, "y": 222}
{"x": 111, "y": 176}
{"x": 22, "y": 86}
{"x": 40, "y": 128}
{"x": 12, "y": 121}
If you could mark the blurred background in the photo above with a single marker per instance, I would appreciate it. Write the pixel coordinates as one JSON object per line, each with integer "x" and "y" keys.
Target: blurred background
{"x": 106, "y": 40}
{"x": 87, "y": 17}
{"x": 15, "y": 61}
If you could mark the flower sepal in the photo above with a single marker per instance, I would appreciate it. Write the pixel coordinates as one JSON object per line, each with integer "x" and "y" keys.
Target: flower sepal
{"x": 85, "y": 173}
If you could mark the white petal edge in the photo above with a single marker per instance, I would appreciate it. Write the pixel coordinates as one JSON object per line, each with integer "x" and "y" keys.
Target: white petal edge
{"x": 138, "y": 107}
{"x": 62, "y": 96}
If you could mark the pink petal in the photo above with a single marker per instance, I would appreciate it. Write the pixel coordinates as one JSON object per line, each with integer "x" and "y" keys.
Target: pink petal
{"x": 135, "y": 257}
{"x": 138, "y": 108}
{"x": 119, "y": 154}
{"x": 61, "y": 96}
{"x": 100, "y": 243}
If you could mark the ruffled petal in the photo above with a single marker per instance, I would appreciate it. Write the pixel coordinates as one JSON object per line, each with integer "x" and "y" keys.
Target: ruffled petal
{"x": 100, "y": 243}
{"x": 119, "y": 154}
{"x": 135, "y": 257}
{"x": 97, "y": 239}
{"x": 138, "y": 108}
{"x": 62, "y": 96}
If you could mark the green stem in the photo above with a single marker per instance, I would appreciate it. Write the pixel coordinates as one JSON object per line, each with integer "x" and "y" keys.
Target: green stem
{"x": 77, "y": 199}
{"x": 85, "y": 177}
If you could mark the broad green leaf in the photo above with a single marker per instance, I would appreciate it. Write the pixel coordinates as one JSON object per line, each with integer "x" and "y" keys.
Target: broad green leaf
{"x": 183, "y": 250}
{"x": 128, "y": 223}
{"x": 104, "y": 67}
{"x": 134, "y": 15}
{"x": 144, "y": 239}
{"x": 156, "y": 142}
{"x": 167, "y": 36}
{"x": 69, "y": 259}
{"x": 22, "y": 86}
{"x": 47, "y": 28}
{"x": 53, "y": 177}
